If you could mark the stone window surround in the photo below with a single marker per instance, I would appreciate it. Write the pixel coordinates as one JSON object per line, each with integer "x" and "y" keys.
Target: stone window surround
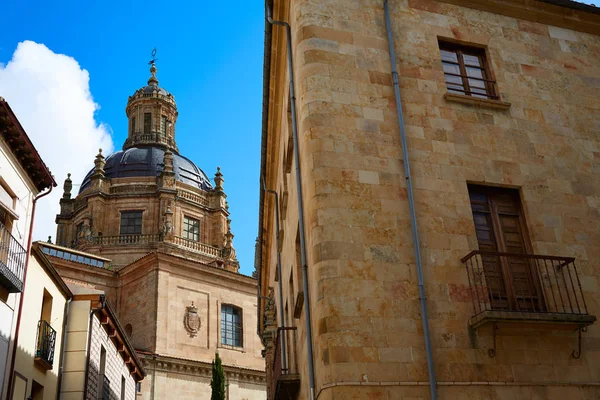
{"x": 465, "y": 80}
{"x": 467, "y": 99}
{"x": 219, "y": 339}
{"x": 143, "y": 211}
{"x": 185, "y": 224}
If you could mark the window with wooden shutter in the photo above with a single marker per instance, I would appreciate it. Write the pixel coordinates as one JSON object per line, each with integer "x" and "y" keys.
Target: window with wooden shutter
{"x": 467, "y": 71}
{"x": 511, "y": 281}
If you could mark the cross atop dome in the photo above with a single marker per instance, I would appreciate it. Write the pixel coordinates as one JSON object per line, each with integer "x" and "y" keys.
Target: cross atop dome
{"x": 153, "y": 81}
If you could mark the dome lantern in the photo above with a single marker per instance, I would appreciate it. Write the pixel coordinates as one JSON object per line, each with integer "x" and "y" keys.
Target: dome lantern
{"x": 152, "y": 115}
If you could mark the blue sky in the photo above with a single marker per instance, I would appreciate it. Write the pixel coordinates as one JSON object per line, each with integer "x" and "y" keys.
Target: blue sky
{"x": 210, "y": 58}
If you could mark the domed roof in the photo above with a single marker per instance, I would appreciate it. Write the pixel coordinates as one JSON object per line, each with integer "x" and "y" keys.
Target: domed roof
{"x": 148, "y": 161}
{"x": 154, "y": 88}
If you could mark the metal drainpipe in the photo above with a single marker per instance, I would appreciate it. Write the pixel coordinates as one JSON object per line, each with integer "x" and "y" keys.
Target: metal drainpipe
{"x": 411, "y": 202}
{"x": 309, "y": 340}
{"x": 10, "y": 387}
{"x": 281, "y": 321}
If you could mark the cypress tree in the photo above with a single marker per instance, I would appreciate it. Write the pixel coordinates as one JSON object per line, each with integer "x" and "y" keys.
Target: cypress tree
{"x": 218, "y": 379}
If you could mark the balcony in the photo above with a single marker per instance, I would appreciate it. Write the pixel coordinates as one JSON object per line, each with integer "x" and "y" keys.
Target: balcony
{"x": 12, "y": 262}
{"x": 46, "y": 339}
{"x": 285, "y": 382}
{"x": 125, "y": 239}
{"x": 139, "y": 239}
{"x": 197, "y": 246}
{"x": 525, "y": 289}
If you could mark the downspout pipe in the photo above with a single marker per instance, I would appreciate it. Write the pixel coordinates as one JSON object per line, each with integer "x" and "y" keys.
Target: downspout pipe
{"x": 281, "y": 321}
{"x": 411, "y": 202}
{"x": 308, "y": 319}
{"x": 20, "y": 312}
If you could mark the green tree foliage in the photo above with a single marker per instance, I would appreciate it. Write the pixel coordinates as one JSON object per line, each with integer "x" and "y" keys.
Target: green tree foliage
{"x": 218, "y": 379}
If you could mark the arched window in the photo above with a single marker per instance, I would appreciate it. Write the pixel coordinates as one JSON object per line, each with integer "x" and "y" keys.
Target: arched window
{"x": 231, "y": 325}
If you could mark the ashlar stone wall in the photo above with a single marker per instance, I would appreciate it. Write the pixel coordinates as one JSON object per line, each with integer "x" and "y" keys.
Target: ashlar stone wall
{"x": 368, "y": 338}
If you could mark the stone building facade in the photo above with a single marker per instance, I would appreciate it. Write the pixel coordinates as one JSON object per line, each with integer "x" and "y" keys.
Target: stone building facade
{"x": 501, "y": 112}
{"x": 156, "y": 232}
{"x": 24, "y": 178}
{"x": 99, "y": 360}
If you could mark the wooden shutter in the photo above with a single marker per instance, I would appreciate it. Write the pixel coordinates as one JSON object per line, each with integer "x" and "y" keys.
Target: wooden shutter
{"x": 492, "y": 266}
{"x": 499, "y": 223}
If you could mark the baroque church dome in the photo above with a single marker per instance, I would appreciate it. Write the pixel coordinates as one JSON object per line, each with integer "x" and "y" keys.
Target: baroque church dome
{"x": 152, "y": 114}
{"x": 148, "y": 161}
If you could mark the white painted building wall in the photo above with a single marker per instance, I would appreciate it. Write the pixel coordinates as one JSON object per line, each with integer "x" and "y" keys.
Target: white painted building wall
{"x": 13, "y": 178}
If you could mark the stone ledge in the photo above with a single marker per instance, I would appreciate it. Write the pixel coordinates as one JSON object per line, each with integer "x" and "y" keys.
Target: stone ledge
{"x": 474, "y": 101}
{"x": 530, "y": 317}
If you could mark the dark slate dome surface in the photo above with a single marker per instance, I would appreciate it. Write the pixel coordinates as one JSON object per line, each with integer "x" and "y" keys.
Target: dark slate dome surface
{"x": 148, "y": 161}
{"x": 151, "y": 88}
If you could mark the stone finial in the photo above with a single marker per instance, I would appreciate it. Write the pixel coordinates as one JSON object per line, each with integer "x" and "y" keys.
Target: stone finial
{"x": 50, "y": 239}
{"x": 67, "y": 187}
{"x": 168, "y": 161}
{"x": 99, "y": 162}
{"x": 219, "y": 180}
{"x": 153, "y": 81}
{"x": 228, "y": 250}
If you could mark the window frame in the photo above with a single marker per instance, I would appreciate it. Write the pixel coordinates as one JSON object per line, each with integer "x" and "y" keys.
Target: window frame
{"x": 225, "y": 329}
{"x": 147, "y": 122}
{"x": 163, "y": 125}
{"x": 141, "y": 225}
{"x": 185, "y": 233}
{"x": 491, "y": 207}
{"x": 460, "y": 50}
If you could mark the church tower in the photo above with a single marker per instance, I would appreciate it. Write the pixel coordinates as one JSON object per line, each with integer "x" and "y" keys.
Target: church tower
{"x": 148, "y": 196}
{"x": 163, "y": 233}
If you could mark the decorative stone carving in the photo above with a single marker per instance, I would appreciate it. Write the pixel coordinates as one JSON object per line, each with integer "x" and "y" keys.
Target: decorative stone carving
{"x": 99, "y": 164}
{"x": 167, "y": 176}
{"x": 67, "y": 187}
{"x": 85, "y": 235}
{"x": 228, "y": 250}
{"x": 167, "y": 230}
{"x": 191, "y": 320}
{"x": 219, "y": 180}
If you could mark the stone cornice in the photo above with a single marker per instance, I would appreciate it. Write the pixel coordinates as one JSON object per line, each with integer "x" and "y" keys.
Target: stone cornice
{"x": 185, "y": 366}
{"x": 562, "y": 13}
{"x": 184, "y": 264}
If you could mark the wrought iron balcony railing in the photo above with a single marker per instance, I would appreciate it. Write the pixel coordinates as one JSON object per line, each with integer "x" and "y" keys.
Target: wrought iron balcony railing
{"x": 12, "y": 261}
{"x": 285, "y": 383}
{"x": 46, "y": 339}
{"x": 521, "y": 286}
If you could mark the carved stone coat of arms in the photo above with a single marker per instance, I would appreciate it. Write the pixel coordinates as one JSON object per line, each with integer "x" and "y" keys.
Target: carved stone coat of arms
{"x": 191, "y": 320}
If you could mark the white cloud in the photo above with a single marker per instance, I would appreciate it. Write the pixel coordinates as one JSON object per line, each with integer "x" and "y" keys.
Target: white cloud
{"x": 51, "y": 97}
